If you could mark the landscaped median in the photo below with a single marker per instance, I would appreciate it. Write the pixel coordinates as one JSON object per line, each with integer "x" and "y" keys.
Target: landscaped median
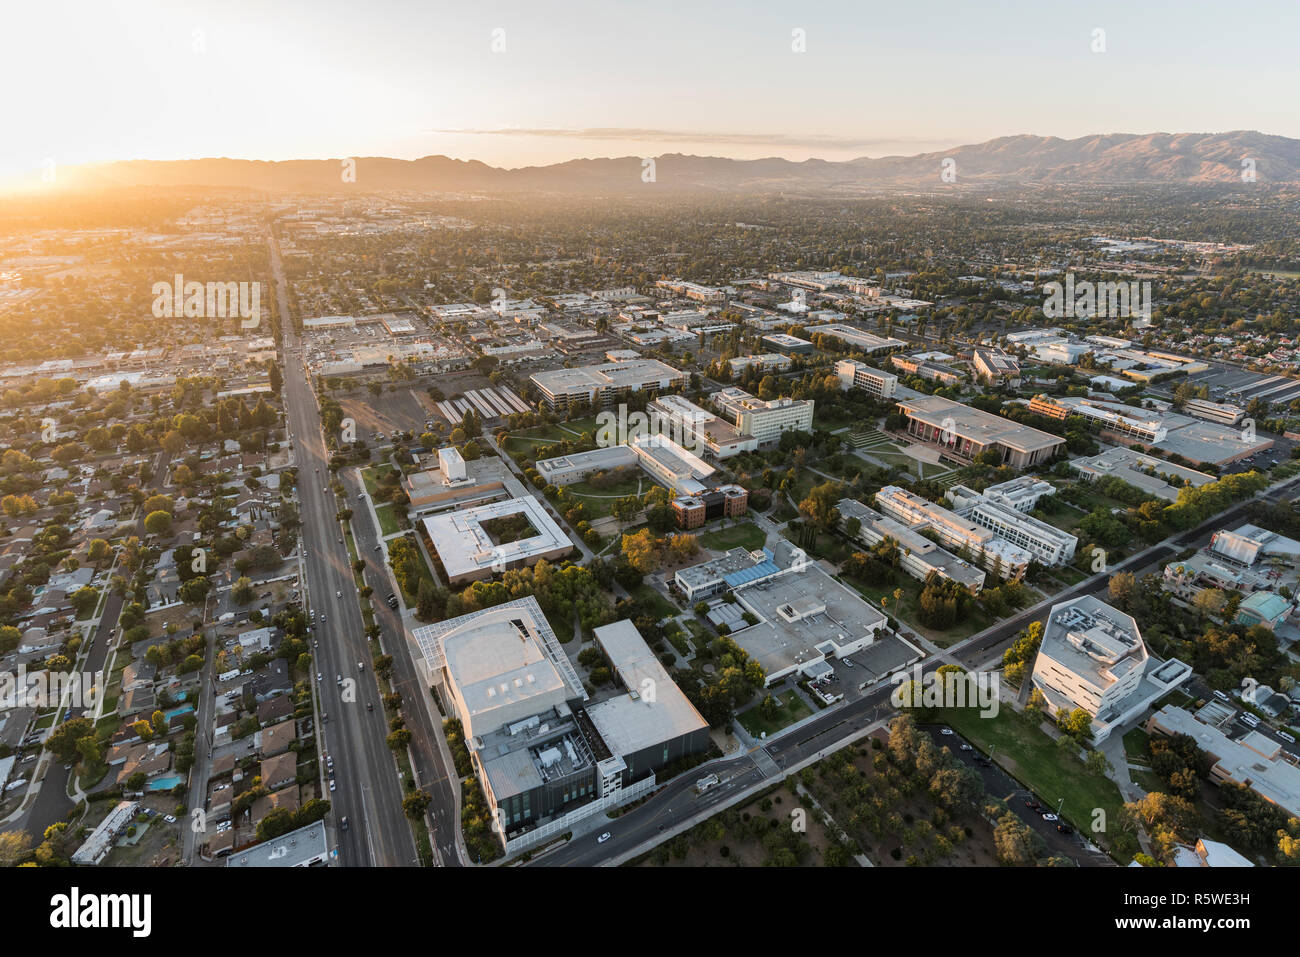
{"x": 1035, "y": 759}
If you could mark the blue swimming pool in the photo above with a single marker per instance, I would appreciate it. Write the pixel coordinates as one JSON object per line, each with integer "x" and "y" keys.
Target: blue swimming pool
{"x": 174, "y": 712}
{"x": 164, "y": 783}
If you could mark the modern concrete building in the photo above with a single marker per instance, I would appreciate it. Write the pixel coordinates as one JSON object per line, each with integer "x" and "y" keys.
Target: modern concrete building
{"x": 468, "y": 551}
{"x": 1092, "y": 657}
{"x": 1002, "y": 510}
{"x": 1254, "y": 760}
{"x": 858, "y": 375}
{"x": 918, "y": 555}
{"x": 857, "y": 339}
{"x": 543, "y": 755}
{"x": 695, "y": 428}
{"x": 1224, "y": 413}
{"x": 930, "y": 371}
{"x": 763, "y": 419}
{"x": 602, "y": 385}
{"x": 767, "y": 360}
{"x": 788, "y": 344}
{"x": 1145, "y": 472}
{"x": 955, "y": 532}
{"x": 577, "y": 466}
{"x": 962, "y": 433}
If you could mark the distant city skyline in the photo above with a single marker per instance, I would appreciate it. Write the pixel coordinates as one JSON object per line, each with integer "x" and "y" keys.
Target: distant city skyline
{"x": 513, "y": 84}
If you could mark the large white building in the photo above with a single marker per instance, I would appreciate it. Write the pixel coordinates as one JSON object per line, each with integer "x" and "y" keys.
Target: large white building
{"x": 1093, "y": 657}
{"x": 603, "y": 384}
{"x": 467, "y": 550}
{"x": 963, "y": 433}
{"x": 1002, "y": 509}
{"x": 858, "y": 375}
{"x": 955, "y": 531}
{"x": 763, "y": 419}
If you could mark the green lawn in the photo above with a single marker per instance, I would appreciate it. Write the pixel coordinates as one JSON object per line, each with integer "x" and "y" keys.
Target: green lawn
{"x": 792, "y": 709}
{"x": 372, "y": 475}
{"x": 748, "y": 536}
{"x": 1033, "y": 758}
{"x": 657, "y": 603}
{"x": 387, "y": 520}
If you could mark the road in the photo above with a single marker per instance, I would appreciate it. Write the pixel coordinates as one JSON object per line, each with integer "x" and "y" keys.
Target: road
{"x": 656, "y": 819}
{"x": 367, "y": 790}
{"x": 427, "y": 754}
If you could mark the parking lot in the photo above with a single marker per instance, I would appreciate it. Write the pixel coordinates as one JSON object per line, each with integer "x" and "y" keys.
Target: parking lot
{"x": 1022, "y": 802}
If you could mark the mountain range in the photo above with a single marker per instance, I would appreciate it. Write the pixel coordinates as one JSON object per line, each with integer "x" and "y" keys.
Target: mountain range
{"x": 1103, "y": 159}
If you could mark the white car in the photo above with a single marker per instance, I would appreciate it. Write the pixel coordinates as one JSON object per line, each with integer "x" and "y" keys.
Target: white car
{"x": 331, "y": 784}
{"x": 169, "y": 819}
{"x": 338, "y": 594}
{"x": 319, "y": 677}
{"x": 603, "y": 838}
{"x": 945, "y": 730}
{"x": 1049, "y": 816}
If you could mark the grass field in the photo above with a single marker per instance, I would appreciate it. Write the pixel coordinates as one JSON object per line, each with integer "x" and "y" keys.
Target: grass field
{"x": 748, "y": 536}
{"x": 1033, "y": 758}
{"x": 372, "y": 474}
{"x": 387, "y": 520}
{"x": 792, "y": 709}
{"x": 658, "y": 604}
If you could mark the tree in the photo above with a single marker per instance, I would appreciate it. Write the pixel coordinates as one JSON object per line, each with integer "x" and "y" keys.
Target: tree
{"x": 415, "y": 804}
{"x": 63, "y": 739}
{"x": 242, "y": 592}
{"x": 158, "y": 523}
{"x": 98, "y": 550}
{"x": 1014, "y": 841}
{"x": 14, "y": 847}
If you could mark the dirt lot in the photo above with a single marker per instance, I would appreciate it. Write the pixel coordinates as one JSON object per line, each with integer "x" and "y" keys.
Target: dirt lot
{"x": 749, "y": 836}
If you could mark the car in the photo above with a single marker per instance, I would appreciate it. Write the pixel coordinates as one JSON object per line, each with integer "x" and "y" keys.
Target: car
{"x": 966, "y": 747}
{"x": 340, "y": 541}
{"x": 331, "y": 785}
{"x": 1049, "y": 816}
{"x": 322, "y": 618}
{"x": 223, "y": 826}
{"x": 361, "y": 666}
{"x": 339, "y": 679}
{"x": 379, "y": 548}
{"x": 370, "y": 706}
{"x": 170, "y": 819}
{"x": 1065, "y": 829}
{"x": 945, "y": 730}
{"x": 361, "y": 496}
{"x": 315, "y": 642}
{"x": 603, "y": 838}
{"x": 1286, "y": 737}
{"x": 338, "y": 594}
{"x": 343, "y": 824}
{"x": 325, "y": 489}
{"x": 1033, "y": 805}
{"x": 324, "y": 716}
{"x": 329, "y": 772}
{"x": 319, "y": 677}
{"x": 1221, "y": 696}
{"x": 318, "y": 471}
{"x": 1249, "y": 720}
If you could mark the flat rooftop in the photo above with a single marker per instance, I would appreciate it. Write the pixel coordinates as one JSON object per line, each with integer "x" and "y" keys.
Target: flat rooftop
{"x": 1093, "y": 641}
{"x": 803, "y": 616}
{"x": 630, "y": 374}
{"x": 653, "y": 710}
{"x": 464, "y": 547}
{"x": 981, "y": 427}
{"x": 295, "y": 849}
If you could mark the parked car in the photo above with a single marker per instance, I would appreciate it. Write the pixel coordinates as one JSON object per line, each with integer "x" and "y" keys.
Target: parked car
{"x": 945, "y": 730}
{"x": 1049, "y": 816}
{"x": 1065, "y": 829}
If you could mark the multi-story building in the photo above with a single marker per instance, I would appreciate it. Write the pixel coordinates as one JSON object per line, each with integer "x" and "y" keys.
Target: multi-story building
{"x": 602, "y": 385}
{"x": 767, "y": 360}
{"x": 725, "y": 501}
{"x": 764, "y": 419}
{"x": 954, "y": 531}
{"x": 693, "y": 427}
{"x": 543, "y": 754}
{"x": 930, "y": 371}
{"x": 788, "y": 344}
{"x": 993, "y": 367}
{"x": 1003, "y": 512}
{"x": 1092, "y": 657}
{"x": 918, "y": 556}
{"x": 856, "y": 338}
{"x": 693, "y": 290}
{"x": 1144, "y": 426}
{"x": 1224, "y": 413}
{"x": 858, "y": 375}
{"x": 962, "y": 433}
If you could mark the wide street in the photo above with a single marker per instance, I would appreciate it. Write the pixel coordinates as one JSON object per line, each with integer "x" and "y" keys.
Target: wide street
{"x": 367, "y": 792}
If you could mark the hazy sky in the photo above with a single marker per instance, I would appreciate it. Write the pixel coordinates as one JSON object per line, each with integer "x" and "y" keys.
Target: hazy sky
{"x": 277, "y": 79}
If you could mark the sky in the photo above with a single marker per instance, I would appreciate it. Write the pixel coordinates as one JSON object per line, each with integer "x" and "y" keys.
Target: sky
{"x": 524, "y": 83}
